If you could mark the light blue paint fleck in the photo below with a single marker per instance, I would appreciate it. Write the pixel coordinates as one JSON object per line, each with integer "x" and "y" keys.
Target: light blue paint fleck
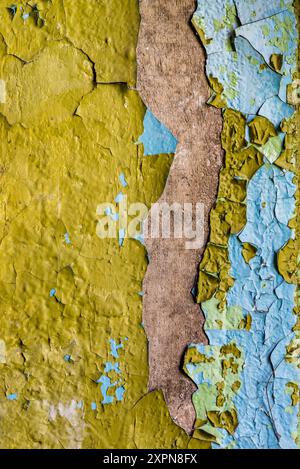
{"x": 67, "y": 238}
{"x": 25, "y": 16}
{"x": 156, "y": 138}
{"x": 12, "y": 397}
{"x": 119, "y": 198}
{"x": 67, "y": 358}
{"x": 112, "y": 367}
{"x": 52, "y": 292}
{"x": 120, "y": 391}
{"x": 93, "y": 406}
{"x": 114, "y": 347}
{"x": 122, "y": 180}
{"x": 105, "y": 386}
{"x": 122, "y": 234}
{"x": 114, "y": 216}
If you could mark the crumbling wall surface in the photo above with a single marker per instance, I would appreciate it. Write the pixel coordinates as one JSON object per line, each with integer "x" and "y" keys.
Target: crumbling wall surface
{"x": 172, "y": 82}
{"x": 248, "y": 376}
{"x": 77, "y": 147}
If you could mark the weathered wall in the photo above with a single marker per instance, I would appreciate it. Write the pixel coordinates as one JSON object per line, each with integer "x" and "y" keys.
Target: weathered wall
{"x": 172, "y": 82}
{"x": 73, "y": 367}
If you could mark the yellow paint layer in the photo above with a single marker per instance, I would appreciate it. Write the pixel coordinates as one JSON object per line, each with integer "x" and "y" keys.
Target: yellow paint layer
{"x": 65, "y": 138}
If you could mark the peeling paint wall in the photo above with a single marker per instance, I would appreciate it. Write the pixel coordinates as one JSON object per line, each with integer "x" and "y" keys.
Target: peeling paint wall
{"x": 73, "y": 352}
{"x": 75, "y": 134}
{"x": 248, "y": 376}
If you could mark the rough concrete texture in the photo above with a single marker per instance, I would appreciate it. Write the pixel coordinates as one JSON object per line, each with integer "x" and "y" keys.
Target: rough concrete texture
{"x": 172, "y": 82}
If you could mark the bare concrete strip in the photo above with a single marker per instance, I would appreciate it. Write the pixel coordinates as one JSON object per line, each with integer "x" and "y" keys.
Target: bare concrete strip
{"x": 172, "y": 82}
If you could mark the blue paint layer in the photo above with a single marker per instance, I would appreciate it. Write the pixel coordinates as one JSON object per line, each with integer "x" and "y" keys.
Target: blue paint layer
{"x": 112, "y": 367}
{"x": 120, "y": 391}
{"x": 276, "y": 110}
{"x": 254, "y": 10}
{"x": 266, "y": 417}
{"x": 106, "y": 384}
{"x": 67, "y": 238}
{"x": 261, "y": 291}
{"x": 109, "y": 212}
{"x": 122, "y": 180}
{"x": 275, "y": 35}
{"x": 119, "y": 198}
{"x": 122, "y": 235}
{"x": 246, "y": 80}
{"x": 114, "y": 347}
{"x": 218, "y": 20}
{"x": 156, "y": 138}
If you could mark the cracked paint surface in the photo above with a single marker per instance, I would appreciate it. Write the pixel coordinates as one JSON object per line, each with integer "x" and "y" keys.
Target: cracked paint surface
{"x": 73, "y": 354}
{"x": 248, "y": 377}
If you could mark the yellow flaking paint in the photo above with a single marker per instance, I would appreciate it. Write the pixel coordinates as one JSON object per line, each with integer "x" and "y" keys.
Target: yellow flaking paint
{"x": 288, "y": 261}
{"x": 229, "y": 214}
{"x": 276, "y": 61}
{"x": 196, "y": 22}
{"x": 248, "y": 252}
{"x": 261, "y": 129}
{"x": 67, "y": 130}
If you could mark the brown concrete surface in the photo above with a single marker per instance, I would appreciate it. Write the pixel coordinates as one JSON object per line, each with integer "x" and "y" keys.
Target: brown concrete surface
{"x": 172, "y": 82}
